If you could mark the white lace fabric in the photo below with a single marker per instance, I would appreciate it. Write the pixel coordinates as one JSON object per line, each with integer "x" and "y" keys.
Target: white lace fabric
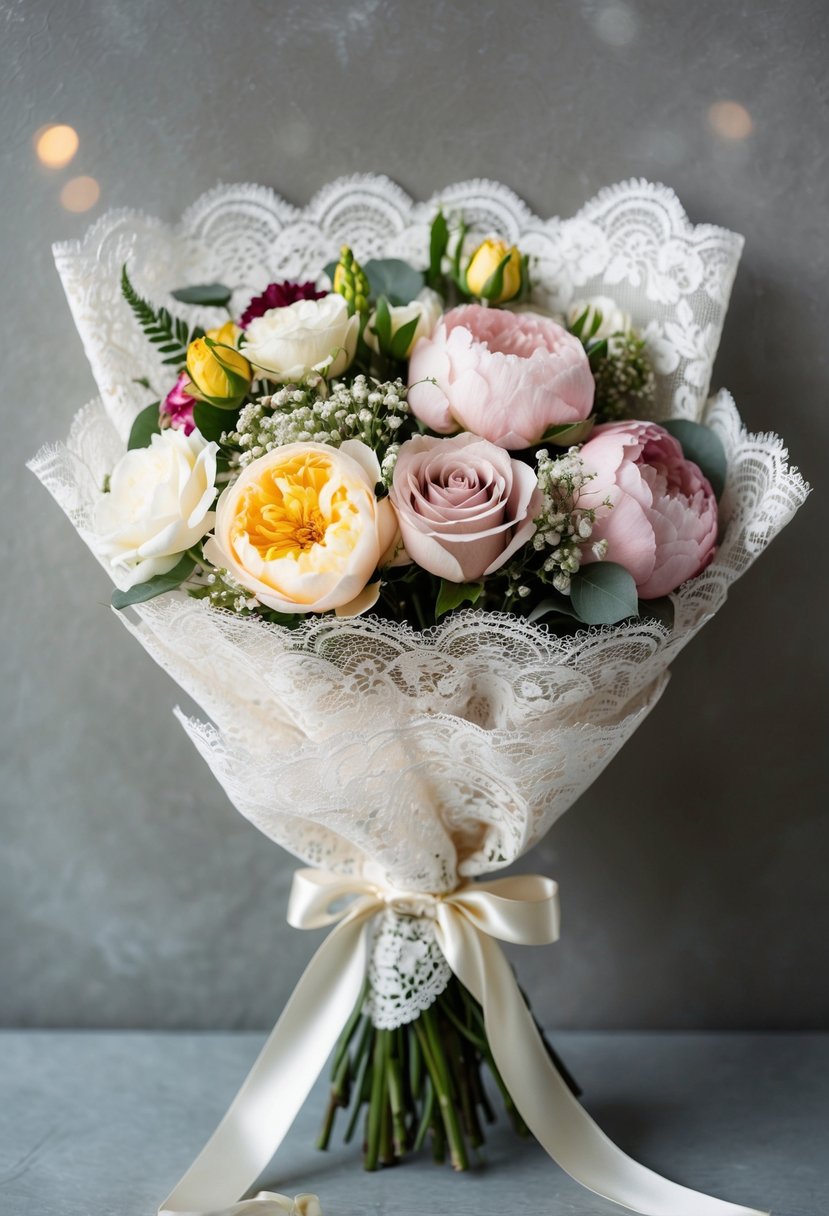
{"x": 362, "y": 745}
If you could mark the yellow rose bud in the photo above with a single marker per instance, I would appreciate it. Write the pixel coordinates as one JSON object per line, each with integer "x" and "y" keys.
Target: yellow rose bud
{"x": 219, "y": 374}
{"x": 485, "y": 262}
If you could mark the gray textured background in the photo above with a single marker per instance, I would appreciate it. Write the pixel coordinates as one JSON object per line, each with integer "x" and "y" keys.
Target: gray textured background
{"x": 693, "y": 872}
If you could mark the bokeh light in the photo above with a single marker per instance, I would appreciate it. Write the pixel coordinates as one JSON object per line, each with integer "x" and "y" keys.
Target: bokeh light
{"x": 56, "y": 144}
{"x": 80, "y": 193}
{"x": 730, "y": 120}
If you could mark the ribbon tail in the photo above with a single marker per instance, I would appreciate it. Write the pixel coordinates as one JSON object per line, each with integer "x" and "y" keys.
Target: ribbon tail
{"x": 278, "y": 1084}
{"x": 557, "y": 1120}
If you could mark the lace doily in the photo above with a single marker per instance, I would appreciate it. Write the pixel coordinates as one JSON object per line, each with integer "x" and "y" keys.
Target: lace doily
{"x": 360, "y": 743}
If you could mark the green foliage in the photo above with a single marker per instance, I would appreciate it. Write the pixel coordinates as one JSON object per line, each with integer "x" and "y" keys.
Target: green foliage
{"x": 395, "y": 279}
{"x": 158, "y": 585}
{"x": 208, "y": 295}
{"x": 170, "y": 334}
{"x": 604, "y": 593}
{"x": 213, "y": 421}
{"x": 452, "y": 595}
{"x": 569, "y": 433}
{"x": 556, "y": 604}
{"x": 701, "y": 445}
{"x": 438, "y": 244}
{"x": 146, "y": 425}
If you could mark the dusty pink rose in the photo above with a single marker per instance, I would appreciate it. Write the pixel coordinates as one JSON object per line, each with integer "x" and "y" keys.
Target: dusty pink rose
{"x": 506, "y": 376}
{"x": 662, "y": 526}
{"x": 178, "y": 405}
{"x": 463, "y": 505}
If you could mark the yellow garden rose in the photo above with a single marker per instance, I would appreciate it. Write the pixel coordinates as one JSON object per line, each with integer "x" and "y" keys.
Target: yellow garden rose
{"x": 485, "y": 261}
{"x": 302, "y": 529}
{"x": 218, "y": 373}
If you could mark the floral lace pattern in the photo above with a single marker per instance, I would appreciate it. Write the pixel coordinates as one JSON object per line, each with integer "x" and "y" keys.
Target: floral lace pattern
{"x": 360, "y": 744}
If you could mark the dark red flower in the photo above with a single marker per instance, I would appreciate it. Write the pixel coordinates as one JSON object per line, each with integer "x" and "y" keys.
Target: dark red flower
{"x": 279, "y": 295}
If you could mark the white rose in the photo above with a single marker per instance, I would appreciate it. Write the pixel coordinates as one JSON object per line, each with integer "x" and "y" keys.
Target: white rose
{"x": 427, "y": 308}
{"x": 157, "y": 507}
{"x": 614, "y": 319}
{"x": 310, "y": 335}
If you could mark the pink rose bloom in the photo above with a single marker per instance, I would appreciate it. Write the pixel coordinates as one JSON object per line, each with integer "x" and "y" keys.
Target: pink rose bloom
{"x": 464, "y": 505}
{"x": 662, "y": 526}
{"x": 506, "y": 376}
{"x": 178, "y": 406}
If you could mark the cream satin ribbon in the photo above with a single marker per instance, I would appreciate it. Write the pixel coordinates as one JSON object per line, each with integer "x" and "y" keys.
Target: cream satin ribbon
{"x": 523, "y": 910}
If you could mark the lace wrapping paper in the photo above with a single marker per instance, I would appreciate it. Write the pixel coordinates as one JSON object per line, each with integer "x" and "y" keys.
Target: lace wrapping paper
{"x": 361, "y": 745}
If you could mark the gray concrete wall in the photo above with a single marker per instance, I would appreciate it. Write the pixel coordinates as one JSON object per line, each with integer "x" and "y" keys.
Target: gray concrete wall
{"x": 693, "y": 872}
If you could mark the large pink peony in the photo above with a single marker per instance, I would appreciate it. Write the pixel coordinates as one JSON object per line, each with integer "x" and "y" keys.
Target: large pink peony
{"x": 662, "y": 525}
{"x": 506, "y": 376}
{"x": 464, "y": 506}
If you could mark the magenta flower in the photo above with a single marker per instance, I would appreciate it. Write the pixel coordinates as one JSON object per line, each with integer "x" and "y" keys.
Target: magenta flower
{"x": 278, "y": 295}
{"x": 178, "y": 406}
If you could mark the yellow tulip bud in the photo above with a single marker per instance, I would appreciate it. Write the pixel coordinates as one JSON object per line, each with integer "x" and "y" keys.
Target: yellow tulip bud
{"x": 485, "y": 262}
{"x": 219, "y": 374}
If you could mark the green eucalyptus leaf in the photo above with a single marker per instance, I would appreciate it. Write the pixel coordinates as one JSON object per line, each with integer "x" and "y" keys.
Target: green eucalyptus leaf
{"x": 207, "y": 294}
{"x": 158, "y": 585}
{"x": 569, "y": 433}
{"x": 395, "y": 279}
{"x": 330, "y": 270}
{"x": 701, "y": 445}
{"x": 603, "y": 593}
{"x": 451, "y": 595}
{"x": 559, "y": 604}
{"x": 146, "y": 425}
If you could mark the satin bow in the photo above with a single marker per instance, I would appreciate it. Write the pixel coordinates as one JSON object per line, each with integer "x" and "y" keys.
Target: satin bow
{"x": 521, "y": 909}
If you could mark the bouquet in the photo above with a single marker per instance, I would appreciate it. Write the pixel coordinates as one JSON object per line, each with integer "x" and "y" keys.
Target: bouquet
{"x": 418, "y": 502}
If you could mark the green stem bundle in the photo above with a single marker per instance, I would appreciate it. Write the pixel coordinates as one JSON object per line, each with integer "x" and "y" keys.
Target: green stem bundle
{"x": 421, "y": 1081}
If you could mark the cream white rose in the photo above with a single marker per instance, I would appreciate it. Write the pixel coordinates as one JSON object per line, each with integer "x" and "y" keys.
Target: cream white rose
{"x": 614, "y": 320}
{"x": 158, "y": 505}
{"x": 309, "y": 335}
{"x": 302, "y": 529}
{"x": 427, "y": 309}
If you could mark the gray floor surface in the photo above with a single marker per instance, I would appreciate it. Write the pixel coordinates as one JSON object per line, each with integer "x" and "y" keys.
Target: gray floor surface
{"x": 103, "y": 1124}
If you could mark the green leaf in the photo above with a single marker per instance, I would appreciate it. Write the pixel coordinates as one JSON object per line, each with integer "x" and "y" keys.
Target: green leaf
{"x": 382, "y": 324}
{"x": 142, "y": 592}
{"x": 596, "y": 351}
{"x": 569, "y": 433}
{"x": 146, "y": 425}
{"x": 170, "y": 333}
{"x": 451, "y": 595}
{"x": 207, "y": 294}
{"x": 494, "y": 285}
{"x": 578, "y": 325}
{"x": 395, "y": 279}
{"x": 661, "y": 610}
{"x": 213, "y": 421}
{"x": 604, "y": 593}
{"x": 701, "y": 445}
{"x": 402, "y": 339}
{"x": 438, "y": 244}
{"x": 555, "y": 603}
{"x": 330, "y": 269}
{"x": 457, "y": 273}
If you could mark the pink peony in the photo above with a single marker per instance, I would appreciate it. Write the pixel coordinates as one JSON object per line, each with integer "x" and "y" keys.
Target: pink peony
{"x": 506, "y": 376}
{"x": 464, "y": 506}
{"x": 278, "y": 295}
{"x": 662, "y": 526}
{"x": 178, "y": 406}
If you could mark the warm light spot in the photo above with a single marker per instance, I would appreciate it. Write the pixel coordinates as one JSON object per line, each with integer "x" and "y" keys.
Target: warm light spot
{"x": 55, "y": 145}
{"x": 80, "y": 193}
{"x": 730, "y": 120}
